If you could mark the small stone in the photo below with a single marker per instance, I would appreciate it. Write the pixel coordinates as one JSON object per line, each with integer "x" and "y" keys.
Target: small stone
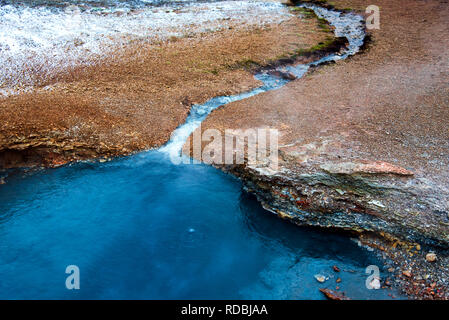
{"x": 320, "y": 278}
{"x": 431, "y": 257}
{"x": 333, "y": 295}
{"x": 390, "y": 269}
{"x": 418, "y": 247}
{"x": 407, "y": 273}
{"x": 2, "y": 181}
{"x": 336, "y": 269}
{"x": 338, "y": 280}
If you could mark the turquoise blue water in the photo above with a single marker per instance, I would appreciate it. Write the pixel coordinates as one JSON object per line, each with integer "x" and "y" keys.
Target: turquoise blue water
{"x": 143, "y": 228}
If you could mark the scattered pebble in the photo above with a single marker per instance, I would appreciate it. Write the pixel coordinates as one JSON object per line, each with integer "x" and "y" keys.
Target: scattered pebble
{"x": 431, "y": 257}
{"x": 407, "y": 273}
{"x": 333, "y": 295}
{"x": 320, "y": 278}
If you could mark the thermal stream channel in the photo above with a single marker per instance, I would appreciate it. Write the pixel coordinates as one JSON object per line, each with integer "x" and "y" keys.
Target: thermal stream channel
{"x": 346, "y": 25}
{"x": 141, "y": 227}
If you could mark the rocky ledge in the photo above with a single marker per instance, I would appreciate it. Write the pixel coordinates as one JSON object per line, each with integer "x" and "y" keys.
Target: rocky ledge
{"x": 360, "y": 196}
{"x": 385, "y": 205}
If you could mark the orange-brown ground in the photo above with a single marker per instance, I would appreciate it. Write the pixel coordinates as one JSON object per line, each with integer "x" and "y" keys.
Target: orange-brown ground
{"x": 135, "y": 100}
{"x": 385, "y": 108}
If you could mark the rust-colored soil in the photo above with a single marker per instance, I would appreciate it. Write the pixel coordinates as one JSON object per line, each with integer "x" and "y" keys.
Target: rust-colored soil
{"x": 135, "y": 100}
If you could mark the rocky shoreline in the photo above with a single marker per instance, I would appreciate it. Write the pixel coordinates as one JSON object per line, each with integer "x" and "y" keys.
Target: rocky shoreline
{"x": 363, "y": 204}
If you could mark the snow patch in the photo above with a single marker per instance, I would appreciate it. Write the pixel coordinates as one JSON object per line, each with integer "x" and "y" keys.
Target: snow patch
{"x": 38, "y": 42}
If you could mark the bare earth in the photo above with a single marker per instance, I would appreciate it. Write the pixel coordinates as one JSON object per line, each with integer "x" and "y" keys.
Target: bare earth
{"x": 137, "y": 98}
{"x": 365, "y": 143}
